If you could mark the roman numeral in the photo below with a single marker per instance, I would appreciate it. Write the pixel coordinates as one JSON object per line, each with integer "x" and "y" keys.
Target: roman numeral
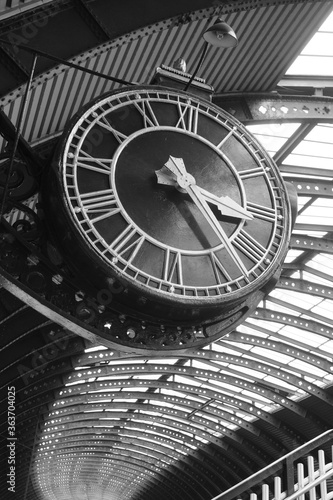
{"x": 188, "y": 118}
{"x": 172, "y": 270}
{"x": 88, "y": 162}
{"x": 147, "y": 113}
{"x": 219, "y": 269}
{"x": 102, "y": 203}
{"x": 261, "y": 212}
{"x": 251, "y": 172}
{"x": 128, "y": 243}
{"x": 103, "y": 122}
{"x": 249, "y": 246}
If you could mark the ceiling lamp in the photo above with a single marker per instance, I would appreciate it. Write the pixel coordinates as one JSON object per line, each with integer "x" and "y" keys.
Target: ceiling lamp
{"x": 220, "y": 34}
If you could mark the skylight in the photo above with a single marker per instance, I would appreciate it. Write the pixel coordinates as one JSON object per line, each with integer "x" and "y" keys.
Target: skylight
{"x": 317, "y": 57}
{"x": 273, "y": 136}
{"x": 316, "y": 150}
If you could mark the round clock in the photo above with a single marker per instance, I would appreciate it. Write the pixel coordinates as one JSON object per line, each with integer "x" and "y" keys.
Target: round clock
{"x": 169, "y": 198}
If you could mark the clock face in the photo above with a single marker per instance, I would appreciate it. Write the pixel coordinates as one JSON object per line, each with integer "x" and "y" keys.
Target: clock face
{"x": 174, "y": 196}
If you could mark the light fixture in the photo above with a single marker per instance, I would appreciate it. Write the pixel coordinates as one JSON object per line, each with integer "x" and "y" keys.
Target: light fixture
{"x": 219, "y": 34}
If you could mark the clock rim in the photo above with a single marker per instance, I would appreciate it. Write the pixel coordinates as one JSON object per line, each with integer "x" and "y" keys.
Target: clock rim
{"x": 112, "y": 272}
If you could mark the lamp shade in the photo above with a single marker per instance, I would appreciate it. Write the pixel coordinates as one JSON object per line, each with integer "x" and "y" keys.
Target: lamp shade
{"x": 220, "y": 34}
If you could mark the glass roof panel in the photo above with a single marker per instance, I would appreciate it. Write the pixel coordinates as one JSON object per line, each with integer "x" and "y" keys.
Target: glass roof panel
{"x": 325, "y": 308}
{"x": 309, "y": 161}
{"x": 321, "y": 44}
{"x": 321, "y": 133}
{"x": 186, "y": 380}
{"x": 315, "y": 151}
{"x": 297, "y": 299}
{"x": 292, "y": 255}
{"x": 304, "y": 65}
{"x": 317, "y": 57}
{"x": 314, "y": 278}
{"x": 314, "y": 148}
{"x": 282, "y": 359}
{"x": 319, "y": 212}
{"x": 327, "y": 348}
{"x": 305, "y": 337}
{"x": 273, "y": 135}
{"x": 322, "y": 262}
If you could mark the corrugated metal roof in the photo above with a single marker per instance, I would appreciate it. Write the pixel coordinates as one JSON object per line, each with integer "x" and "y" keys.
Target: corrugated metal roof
{"x": 269, "y": 39}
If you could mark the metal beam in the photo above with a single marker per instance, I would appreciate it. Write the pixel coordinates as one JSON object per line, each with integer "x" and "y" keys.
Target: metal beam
{"x": 13, "y": 66}
{"x": 315, "y": 82}
{"x": 316, "y": 272}
{"x": 302, "y": 131}
{"x": 305, "y": 325}
{"x": 303, "y": 286}
{"x": 8, "y": 131}
{"x": 252, "y": 385}
{"x": 309, "y": 176}
{"x": 254, "y": 326}
{"x": 258, "y": 108}
{"x": 87, "y": 317}
{"x": 91, "y": 20}
{"x": 282, "y": 347}
{"x": 69, "y": 64}
{"x": 317, "y": 317}
{"x": 213, "y": 391}
{"x": 310, "y": 243}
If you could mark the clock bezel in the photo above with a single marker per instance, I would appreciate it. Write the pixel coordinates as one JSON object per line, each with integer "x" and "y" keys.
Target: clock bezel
{"x": 104, "y": 272}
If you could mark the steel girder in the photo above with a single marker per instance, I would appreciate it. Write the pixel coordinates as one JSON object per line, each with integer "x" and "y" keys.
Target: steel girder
{"x": 271, "y": 107}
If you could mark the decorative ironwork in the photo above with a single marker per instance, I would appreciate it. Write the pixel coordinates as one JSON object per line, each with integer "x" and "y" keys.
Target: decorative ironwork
{"x": 263, "y": 108}
{"x": 28, "y": 272}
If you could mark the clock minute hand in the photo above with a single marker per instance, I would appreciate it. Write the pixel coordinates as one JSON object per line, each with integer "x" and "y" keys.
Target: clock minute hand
{"x": 174, "y": 173}
{"x": 226, "y": 205}
{"x": 203, "y": 206}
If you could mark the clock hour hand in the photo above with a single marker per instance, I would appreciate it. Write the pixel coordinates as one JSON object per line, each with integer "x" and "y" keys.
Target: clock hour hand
{"x": 174, "y": 173}
{"x": 176, "y": 166}
{"x": 165, "y": 176}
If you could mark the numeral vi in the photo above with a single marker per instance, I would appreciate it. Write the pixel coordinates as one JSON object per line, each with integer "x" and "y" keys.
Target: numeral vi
{"x": 172, "y": 270}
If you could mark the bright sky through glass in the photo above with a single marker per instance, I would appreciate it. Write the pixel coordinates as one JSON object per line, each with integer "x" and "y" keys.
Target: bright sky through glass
{"x": 314, "y": 152}
{"x": 317, "y": 57}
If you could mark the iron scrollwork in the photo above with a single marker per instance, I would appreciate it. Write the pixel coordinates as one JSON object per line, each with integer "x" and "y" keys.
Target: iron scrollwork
{"x": 34, "y": 271}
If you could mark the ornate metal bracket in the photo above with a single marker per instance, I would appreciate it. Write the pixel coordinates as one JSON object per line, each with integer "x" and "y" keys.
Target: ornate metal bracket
{"x": 31, "y": 269}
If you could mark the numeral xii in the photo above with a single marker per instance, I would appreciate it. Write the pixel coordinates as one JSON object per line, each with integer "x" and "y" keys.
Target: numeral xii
{"x": 188, "y": 118}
